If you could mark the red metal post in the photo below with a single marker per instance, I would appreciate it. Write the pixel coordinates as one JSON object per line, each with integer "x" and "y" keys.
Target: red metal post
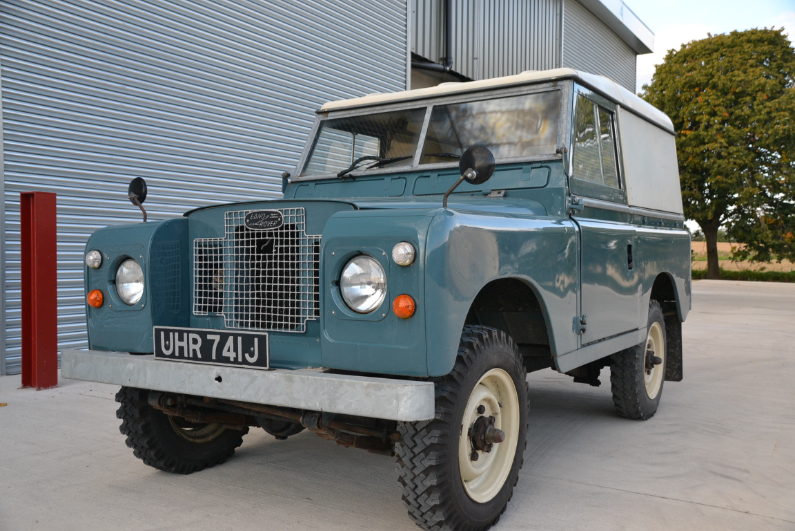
{"x": 39, "y": 290}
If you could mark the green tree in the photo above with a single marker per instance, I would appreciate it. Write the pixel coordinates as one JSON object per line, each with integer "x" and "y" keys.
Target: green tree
{"x": 731, "y": 98}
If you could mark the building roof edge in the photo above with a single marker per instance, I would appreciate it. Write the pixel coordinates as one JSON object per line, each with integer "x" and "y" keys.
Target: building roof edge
{"x": 617, "y": 16}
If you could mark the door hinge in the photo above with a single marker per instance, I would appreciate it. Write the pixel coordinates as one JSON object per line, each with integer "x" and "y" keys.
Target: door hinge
{"x": 579, "y": 325}
{"x": 575, "y": 204}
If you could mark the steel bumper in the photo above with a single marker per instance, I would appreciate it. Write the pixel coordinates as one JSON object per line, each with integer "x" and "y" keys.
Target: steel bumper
{"x": 309, "y": 389}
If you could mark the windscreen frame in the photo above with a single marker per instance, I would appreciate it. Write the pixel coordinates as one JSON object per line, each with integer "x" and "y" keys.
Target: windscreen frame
{"x": 564, "y": 127}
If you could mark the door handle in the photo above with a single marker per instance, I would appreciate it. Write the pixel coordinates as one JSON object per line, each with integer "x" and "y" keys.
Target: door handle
{"x": 630, "y": 258}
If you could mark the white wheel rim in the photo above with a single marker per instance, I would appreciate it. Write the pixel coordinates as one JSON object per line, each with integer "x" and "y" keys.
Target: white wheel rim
{"x": 484, "y": 478}
{"x": 655, "y": 342}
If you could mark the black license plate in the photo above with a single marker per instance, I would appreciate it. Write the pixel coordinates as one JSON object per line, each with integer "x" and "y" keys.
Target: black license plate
{"x": 217, "y": 347}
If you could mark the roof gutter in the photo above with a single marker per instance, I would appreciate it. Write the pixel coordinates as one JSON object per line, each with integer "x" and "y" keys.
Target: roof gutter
{"x": 447, "y": 66}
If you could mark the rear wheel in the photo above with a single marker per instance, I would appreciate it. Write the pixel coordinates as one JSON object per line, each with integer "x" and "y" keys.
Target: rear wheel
{"x": 458, "y": 470}
{"x": 637, "y": 374}
{"x": 172, "y": 444}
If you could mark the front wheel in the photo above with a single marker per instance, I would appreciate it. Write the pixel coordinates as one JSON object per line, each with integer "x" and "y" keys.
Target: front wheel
{"x": 172, "y": 444}
{"x": 458, "y": 470}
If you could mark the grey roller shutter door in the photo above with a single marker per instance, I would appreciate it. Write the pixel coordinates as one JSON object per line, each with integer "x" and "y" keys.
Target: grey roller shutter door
{"x": 208, "y": 101}
{"x": 589, "y": 45}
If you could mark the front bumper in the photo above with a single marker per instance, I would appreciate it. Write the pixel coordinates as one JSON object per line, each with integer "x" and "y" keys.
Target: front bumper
{"x": 312, "y": 390}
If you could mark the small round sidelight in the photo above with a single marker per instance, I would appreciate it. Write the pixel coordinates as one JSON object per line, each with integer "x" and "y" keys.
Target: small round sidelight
{"x": 93, "y": 259}
{"x": 403, "y": 254}
{"x": 130, "y": 282}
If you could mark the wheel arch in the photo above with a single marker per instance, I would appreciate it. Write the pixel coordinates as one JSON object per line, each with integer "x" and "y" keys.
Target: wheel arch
{"x": 514, "y": 304}
{"x": 665, "y": 292}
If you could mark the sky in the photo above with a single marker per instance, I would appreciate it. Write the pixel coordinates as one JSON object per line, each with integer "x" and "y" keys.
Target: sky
{"x": 675, "y": 22}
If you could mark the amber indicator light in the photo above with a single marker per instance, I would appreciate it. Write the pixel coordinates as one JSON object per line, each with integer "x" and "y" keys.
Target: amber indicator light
{"x": 404, "y": 306}
{"x": 94, "y": 298}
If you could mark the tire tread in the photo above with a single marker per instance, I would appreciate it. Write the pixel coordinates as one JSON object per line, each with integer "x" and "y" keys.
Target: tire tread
{"x": 422, "y": 459}
{"x": 136, "y": 423}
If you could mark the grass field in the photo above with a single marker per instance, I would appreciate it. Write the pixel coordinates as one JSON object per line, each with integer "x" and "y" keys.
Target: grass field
{"x": 757, "y": 276}
{"x": 737, "y": 270}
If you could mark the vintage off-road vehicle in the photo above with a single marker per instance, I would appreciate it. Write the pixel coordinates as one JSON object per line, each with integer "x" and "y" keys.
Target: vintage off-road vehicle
{"x": 432, "y": 247}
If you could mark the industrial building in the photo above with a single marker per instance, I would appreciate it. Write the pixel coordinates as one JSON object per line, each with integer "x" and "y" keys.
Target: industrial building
{"x": 211, "y": 101}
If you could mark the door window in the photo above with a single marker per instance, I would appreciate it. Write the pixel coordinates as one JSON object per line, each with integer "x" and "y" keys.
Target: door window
{"x": 594, "y": 153}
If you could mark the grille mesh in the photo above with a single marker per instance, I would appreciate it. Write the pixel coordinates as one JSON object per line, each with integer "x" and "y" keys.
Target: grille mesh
{"x": 259, "y": 279}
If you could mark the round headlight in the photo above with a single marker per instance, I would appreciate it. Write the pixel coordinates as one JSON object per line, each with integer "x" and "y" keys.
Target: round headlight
{"x": 403, "y": 254}
{"x": 363, "y": 284}
{"x": 130, "y": 281}
{"x": 93, "y": 259}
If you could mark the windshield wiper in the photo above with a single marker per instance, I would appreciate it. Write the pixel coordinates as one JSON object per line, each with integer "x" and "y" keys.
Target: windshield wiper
{"x": 443, "y": 155}
{"x": 378, "y": 163}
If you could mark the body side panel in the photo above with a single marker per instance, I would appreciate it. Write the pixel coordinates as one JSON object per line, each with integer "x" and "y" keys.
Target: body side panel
{"x": 663, "y": 251}
{"x": 467, "y": 250}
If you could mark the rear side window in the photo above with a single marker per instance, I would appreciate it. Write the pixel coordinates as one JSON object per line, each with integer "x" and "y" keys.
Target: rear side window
{"x": 594, "y": 151}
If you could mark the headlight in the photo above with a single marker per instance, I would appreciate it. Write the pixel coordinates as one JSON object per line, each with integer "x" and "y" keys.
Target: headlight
{"x": 130, "y": 281}
{"x": 403, "y": 254}
{"x": 93, "y": 259}
{"x": 363, "y": 284}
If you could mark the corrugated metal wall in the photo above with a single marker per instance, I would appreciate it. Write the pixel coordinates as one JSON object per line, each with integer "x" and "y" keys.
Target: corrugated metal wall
{"x": 208, "y": 101}
{"x": 589, "y": 45}
{"x": 490, "y": 38}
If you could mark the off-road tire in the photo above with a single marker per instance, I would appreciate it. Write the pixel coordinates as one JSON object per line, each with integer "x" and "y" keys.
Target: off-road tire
{"x": 627, "y": 376}
{"x": 154, "y": 440}
{"x": 427, "y": 456}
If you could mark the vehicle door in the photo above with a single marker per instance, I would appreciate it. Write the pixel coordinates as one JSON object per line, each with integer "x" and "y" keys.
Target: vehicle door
{"x": 608, "y": 277}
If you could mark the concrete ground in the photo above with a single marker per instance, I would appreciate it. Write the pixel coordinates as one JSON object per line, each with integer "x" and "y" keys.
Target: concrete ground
{"x": 719, "y": 454}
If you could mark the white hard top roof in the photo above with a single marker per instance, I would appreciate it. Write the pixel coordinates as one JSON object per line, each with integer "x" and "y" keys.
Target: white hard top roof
{"x": 599, "y": 84}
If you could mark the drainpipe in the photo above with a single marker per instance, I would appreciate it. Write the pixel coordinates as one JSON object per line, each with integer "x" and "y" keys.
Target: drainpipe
{"x": 447, "y": 66}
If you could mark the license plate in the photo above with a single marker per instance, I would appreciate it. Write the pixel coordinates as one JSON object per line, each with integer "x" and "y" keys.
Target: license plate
{"x": 217, "y": 347}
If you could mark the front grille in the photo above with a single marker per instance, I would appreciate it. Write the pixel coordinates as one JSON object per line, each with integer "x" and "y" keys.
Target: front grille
{"x": 259, "y": 279}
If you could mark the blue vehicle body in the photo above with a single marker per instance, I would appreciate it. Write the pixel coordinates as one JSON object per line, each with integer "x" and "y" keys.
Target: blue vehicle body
{"x": 526, "y": 232}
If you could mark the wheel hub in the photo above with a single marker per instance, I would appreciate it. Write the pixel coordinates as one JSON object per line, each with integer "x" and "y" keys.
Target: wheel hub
{"x": 483, "y": 435}
{"x": 489, "y": 435}
{"x": 651, "y": 360}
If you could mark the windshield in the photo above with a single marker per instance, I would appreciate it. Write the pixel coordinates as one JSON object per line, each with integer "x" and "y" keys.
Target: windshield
{"x": 388, "y": 135}
{"x": 520, "y": 126}
{"x": 511, "y": 127}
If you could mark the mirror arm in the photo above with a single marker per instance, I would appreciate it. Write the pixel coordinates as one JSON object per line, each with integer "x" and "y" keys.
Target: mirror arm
{"x": 134, "y": 198}
{"x": 469, "y": 175}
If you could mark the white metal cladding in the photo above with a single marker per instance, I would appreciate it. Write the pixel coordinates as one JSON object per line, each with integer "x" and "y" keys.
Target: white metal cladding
{"x": 208, "y": 101}
{"x": 651, "y": 170}
{"x": 490, "y": 39}
{"x": 589, "y": 45}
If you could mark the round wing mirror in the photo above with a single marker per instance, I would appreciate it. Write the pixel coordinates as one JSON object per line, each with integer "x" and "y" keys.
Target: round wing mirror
{"x": 137, "y": 191}
{"x": 479, "y": 159}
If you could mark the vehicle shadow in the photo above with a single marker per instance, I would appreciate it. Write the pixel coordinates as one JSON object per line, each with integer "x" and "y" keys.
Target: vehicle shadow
{"x": 360, "y": 487}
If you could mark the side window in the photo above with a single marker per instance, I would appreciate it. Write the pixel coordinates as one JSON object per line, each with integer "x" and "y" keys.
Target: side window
{"x": 586, "y": 143}
{"x": 607, "y": 135}
{"x": 594, "y": 157}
